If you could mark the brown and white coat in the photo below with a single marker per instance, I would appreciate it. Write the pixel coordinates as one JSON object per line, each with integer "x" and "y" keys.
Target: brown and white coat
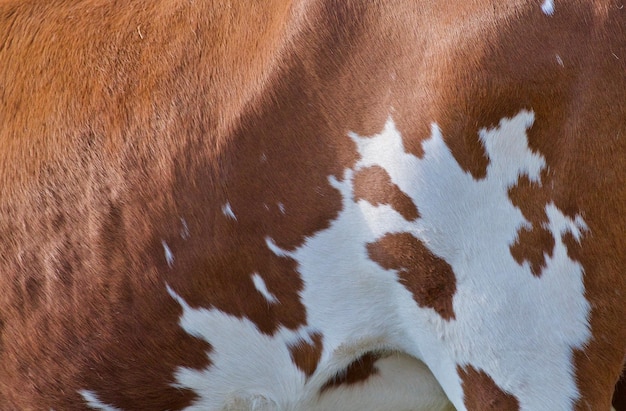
{"x": 312, "y": 204}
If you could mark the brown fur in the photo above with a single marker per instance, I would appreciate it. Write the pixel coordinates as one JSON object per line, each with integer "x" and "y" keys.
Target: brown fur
{"x": 307, "y": 356}
{"x": 428, "y": 277}
{"x": 120, "y": 119}
{"x": 374, "y": 185}
{"x": 533, "y": 244}
{"x": 482, "y": 393}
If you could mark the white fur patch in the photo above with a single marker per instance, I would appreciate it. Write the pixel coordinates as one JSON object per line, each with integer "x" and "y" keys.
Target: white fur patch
{"x": 261, "y": 287}
{"x": 94, "y": 403}
{"x": 548, "y": 7}
{"x": 250, "y": 368}
{"x": 254, "y": 371}
{"x": 518, "y": 328}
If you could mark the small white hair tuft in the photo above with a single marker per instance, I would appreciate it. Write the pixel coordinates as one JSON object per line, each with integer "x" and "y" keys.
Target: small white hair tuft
{"x": 228, "y": 211}
{"x": 169, "y": 256}
{"x": 548, "y": 7}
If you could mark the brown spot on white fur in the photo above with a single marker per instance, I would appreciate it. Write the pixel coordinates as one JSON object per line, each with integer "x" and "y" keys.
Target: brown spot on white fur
{"x": 536, "y": 242}
{"x": 482, "y": 393}
{"x": 429, "y": 278}
{"x": 374, "y": 185}
{"x": 306, "y": 356}
{"x": 532, "y": 246}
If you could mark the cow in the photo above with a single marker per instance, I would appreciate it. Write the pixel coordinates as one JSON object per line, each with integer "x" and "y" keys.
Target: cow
{"x": 312, "y": 204}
